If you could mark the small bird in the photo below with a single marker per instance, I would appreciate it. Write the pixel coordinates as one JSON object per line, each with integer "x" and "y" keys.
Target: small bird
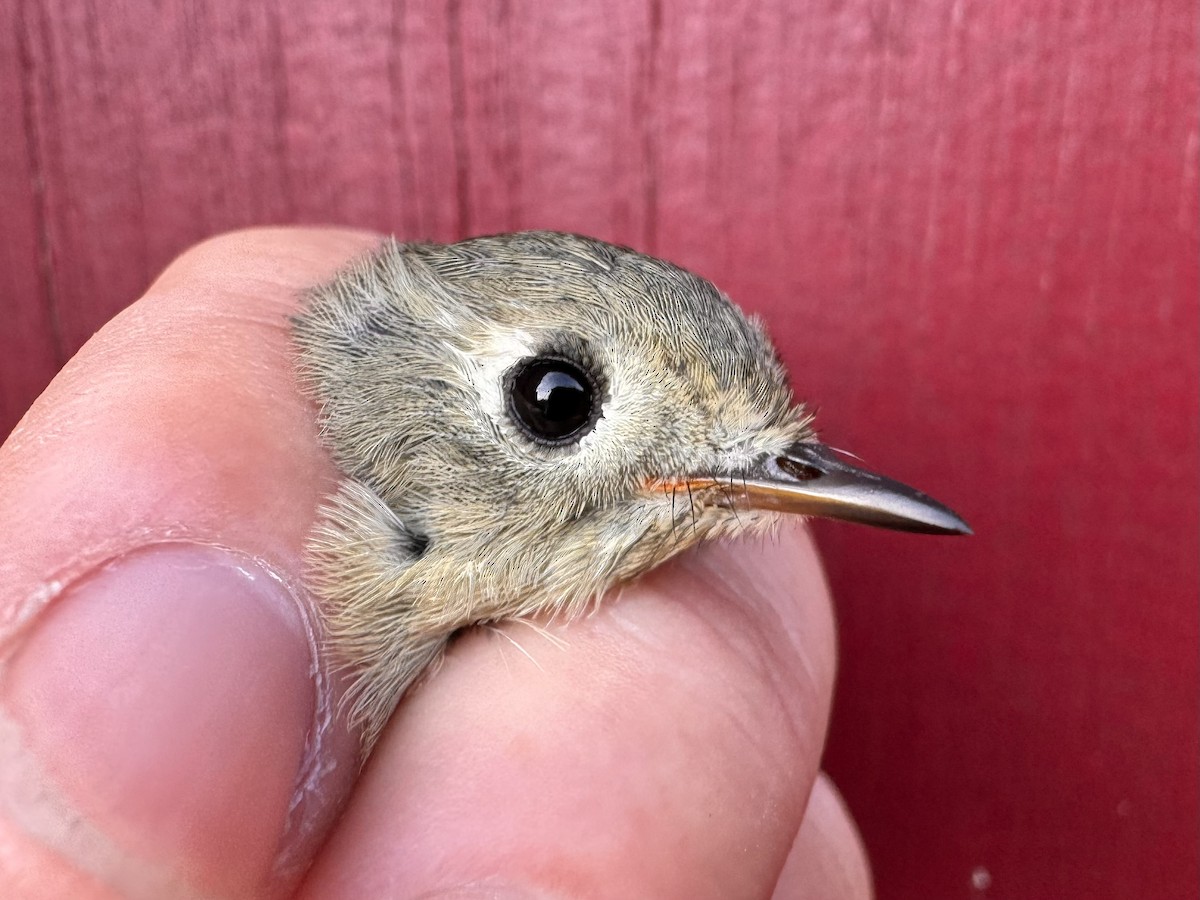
{"x": 523, "y": 421}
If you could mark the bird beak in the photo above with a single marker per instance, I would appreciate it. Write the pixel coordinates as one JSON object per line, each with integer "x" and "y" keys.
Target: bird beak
{"x": 811, "y": 479}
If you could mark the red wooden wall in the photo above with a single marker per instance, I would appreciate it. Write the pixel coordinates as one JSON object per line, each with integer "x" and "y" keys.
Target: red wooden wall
{"x": 971, "y": 226}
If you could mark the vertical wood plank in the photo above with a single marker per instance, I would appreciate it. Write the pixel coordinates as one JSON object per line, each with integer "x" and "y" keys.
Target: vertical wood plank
{"x": 30, "y": 344}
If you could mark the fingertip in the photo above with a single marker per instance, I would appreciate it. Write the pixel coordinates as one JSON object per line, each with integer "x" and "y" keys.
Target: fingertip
{"x": 828, "y": 860}
{"x": 259, "y": 261}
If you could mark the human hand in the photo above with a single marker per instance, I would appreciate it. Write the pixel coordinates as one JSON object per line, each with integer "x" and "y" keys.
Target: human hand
{"x": 165, "y": 731}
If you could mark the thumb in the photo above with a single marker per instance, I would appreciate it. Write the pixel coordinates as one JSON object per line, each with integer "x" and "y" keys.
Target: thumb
{"x": 164, "y": 723}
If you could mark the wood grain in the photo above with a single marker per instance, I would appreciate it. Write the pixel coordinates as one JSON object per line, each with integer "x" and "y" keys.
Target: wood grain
{"x": 972, "y": 228}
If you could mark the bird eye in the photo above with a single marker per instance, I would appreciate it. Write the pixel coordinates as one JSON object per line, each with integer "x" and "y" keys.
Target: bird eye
{"x": 553, "y": 400}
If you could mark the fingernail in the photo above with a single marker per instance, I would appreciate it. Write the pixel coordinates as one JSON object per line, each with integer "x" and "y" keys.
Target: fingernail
{"x": 167, "y": 697}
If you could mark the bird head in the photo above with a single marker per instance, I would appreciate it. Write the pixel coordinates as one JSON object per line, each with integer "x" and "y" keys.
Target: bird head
{"x": 527, "y": 419}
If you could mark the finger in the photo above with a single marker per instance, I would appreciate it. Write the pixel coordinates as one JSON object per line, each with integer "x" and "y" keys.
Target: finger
{"x": 164, "y": 728}
{"x": 827, "y": 860}
{"x": 667, "y": 751}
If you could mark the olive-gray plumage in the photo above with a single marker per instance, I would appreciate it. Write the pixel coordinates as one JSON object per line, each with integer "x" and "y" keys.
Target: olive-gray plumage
{"x": 453, "y": 510}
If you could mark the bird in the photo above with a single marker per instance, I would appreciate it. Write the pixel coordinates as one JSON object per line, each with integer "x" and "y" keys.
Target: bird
{"x": 523, "y": 421}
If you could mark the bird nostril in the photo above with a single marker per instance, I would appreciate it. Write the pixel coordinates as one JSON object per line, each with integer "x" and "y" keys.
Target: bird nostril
{"x": 798, "y": 470}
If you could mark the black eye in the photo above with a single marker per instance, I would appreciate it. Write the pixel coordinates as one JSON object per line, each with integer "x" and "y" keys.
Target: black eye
{"x": 553, "y": 400}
